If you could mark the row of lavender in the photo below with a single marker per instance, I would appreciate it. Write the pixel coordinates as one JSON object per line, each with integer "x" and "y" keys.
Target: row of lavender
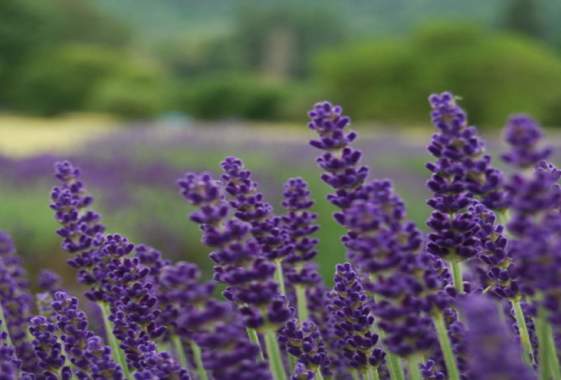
{"x": 476, "y": 298}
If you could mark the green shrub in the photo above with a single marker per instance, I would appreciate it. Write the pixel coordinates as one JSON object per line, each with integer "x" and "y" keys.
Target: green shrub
{"x": 233, "y": 95}
{"x": 496, "y": 74}
{"x": 133, "y": 92}
{"x": 75, "y": 77}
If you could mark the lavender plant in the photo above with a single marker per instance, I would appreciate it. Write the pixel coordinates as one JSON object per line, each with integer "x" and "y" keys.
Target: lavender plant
{"x": 406, "y": 304}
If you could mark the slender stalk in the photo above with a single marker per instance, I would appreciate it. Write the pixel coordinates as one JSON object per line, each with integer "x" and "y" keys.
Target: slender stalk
{"x": 201, "y": 372}
{"x": 413, "y": 366}
{"x": 553, "y": 358}
{"x": 4, "y": 327}
{"x": 302, "y": 302}
{"x": 372, "y": 373}
{"x": 355, "y": 375}
{"x": 446, "y": 346}
{"x": 523, "y": 330}
{"x": 542, "y": 333}
{"x": 319, "y": 375}
{"x": 254, "y": 338}
{"x": 457, "y": 275}
{"x": 118, "y": 354}
{"x": 179, "y": 351}
{"x": 274, "y": 355}
{"x": 279, "y": 277}
{"x": 396, "y": 372}
{"x": 392, "y": 360}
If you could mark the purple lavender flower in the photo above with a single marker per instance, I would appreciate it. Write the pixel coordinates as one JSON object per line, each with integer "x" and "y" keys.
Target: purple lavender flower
{"x": 48, "y": 349}
{"x": 353, "y": 320}
{"x": 16, "y": 301}
{"x": 457, "y": 148}
{"x": 49, "y": 281}
{"x": 340, "y": 159}
{"x": 86, "y": 351}
{"x": 9, "y": 363}
{"x": 523, "y": 135}
{"x": 385, "y": 248}
{"x": 250, "y": 206}
{"x": 81, "y": 230}
{"x": 182, "y": 293}
{"x": 237, "y": 255}
{"x": 114, "y": 274}
{"x": 303, "y": 340}
{"x": 299, "y": 224}
{"x": 493, "y": 352}
{"x": 302, "y": 373}
{"x": 497, "y": 271}
{"x": 228, "y": 354}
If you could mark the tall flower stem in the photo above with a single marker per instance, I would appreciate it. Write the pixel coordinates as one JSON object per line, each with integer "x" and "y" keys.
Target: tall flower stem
{"x": 542, "y": 333}
{"x": 254, "y": 338}
{"x": 446, "y": 346}
{"x": 413, "y": 366}
{"x": 318, "y": 374}
{"x": 201, "y": 372}
{"x": 302, "y": 302}
{"x": 279, "y": 276}
{"x": 274, "y": 354}
{"x": 392, "y": 360}
{"x": 457, "y": 275}
{"x": 372, "y": 374}
{"x": 523, "y": 331}
{"x": 4, "y": 326}
{"x": 554, "y": 368}
{"x": 118, "y": 354}
{"x": 179, "y": 350}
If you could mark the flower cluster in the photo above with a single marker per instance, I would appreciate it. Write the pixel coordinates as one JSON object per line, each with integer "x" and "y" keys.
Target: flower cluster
{"x": 238, "y": 257}
{"x": 392, "y": 312}
{"x": 352, "y": 321}
{"x": 492, "y": 351}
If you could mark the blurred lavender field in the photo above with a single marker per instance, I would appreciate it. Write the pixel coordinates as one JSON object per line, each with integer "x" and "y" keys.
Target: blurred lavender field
{"x": 132, "y": 172}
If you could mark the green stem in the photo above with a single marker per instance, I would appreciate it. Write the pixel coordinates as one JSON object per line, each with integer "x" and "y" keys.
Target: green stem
{"x": 413, "y": 366}
{"x": 274, "y": 355}
{"x": 302, "y": 302}
{"x": 542, "y": 333}
{"x": 279, "y": 277}
{"x": 179, "y": 351}
{"x": 446, "y": 346}
{"x": 355, "y": 375}
{"x": 523, "y": 330}
{"x": 4, "y": 327}
{"x": 553, "y": 358}
{"x": 254, "y": 338}
{"x": 201, "y": 372}
{"x": 319, "y": 375}
{"x": 457, "y": 276}
{"x": 372, "y": 373}
{"x": 396, "y": 372}
{"x": 118, "y": 354}
{"x": 392, "y": 360}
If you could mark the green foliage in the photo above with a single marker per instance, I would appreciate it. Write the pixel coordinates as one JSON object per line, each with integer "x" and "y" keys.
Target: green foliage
{"x": 495, "y": 74}
{"x": 134, "y": 91}
{"x": 77, "y": 77}
{"x": 232, "y": 96}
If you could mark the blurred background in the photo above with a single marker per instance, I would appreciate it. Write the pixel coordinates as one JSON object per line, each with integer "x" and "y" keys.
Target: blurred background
{"x": 137, "y": 92}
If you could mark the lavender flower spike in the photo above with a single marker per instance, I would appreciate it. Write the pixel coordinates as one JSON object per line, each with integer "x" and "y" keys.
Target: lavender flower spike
{"x": 353, "y": 320}
{"x": 251, "y": 207}
{"x": 299, "y": 268}
{"x": 340, "y": 159}
{"x": 523, "y": 135}
{"x": 493, "y": 351}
